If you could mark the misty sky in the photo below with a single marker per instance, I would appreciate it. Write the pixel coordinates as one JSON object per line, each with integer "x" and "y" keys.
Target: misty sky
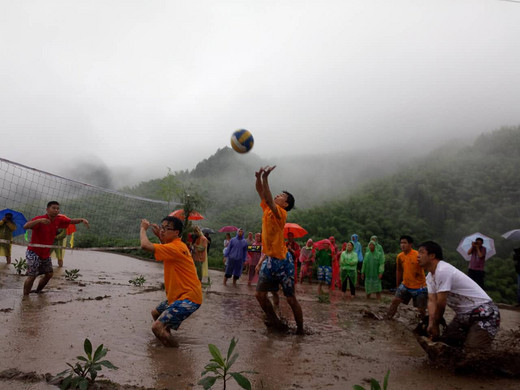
{"x": 146, "y": 85}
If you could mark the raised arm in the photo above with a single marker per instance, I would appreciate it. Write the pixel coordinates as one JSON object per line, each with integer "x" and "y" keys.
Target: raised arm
{"x": 258, "y": 183}
{"x": 267, "y": 195}
{"x": 146, "y": 244}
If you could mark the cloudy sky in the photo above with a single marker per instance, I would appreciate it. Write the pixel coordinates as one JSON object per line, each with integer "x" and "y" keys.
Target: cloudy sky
{"x": 146, "y": 85}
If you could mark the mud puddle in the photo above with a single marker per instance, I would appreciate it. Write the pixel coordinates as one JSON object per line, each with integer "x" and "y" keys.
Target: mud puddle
{"x": 346, "y": 343}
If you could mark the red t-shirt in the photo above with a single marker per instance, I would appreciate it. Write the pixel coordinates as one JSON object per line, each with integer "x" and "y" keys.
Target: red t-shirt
{"x": 44, "y": 234}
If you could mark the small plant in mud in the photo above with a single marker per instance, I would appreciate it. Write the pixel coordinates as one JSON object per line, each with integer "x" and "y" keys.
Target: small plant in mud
{"x": 84, "y": 372}
{"x": 323, "y": 298}
{"x": 137, "y": 281}
{"x": 72, "y": 275}
{"x": 374, "y": 384}
{"x": 20, "y": 265}
{"x": 220, "y": 367}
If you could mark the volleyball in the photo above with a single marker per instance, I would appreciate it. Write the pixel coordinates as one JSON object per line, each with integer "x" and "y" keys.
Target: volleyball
{"x": 242, "y": 141}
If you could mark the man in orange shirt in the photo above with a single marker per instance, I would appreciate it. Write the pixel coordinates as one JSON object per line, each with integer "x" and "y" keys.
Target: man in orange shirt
{"x": 182, "y": 285}
{"x": 410, "y": 278}
{"x": 275, "y": 269}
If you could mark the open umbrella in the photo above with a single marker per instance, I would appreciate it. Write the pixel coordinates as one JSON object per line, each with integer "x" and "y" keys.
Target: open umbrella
{"x": 512, "y": 235}
{"x": 228, "y": 229}
{"x": 208, "y": 231}
{"x": 194, "y": 215}
{"x": 295, "y": 229}
{"x": 465, "y": 244}
{"x": 18, "y": 218}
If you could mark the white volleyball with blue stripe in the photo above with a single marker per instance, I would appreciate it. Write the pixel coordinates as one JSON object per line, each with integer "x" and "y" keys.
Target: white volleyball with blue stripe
{"x": 242, "y": 141}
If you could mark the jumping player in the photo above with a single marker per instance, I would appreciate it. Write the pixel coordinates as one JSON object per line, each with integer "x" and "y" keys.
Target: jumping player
{"x": 275, "y": 269}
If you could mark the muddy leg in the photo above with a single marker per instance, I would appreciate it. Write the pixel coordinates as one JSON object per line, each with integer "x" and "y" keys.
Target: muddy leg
{"x": 8, "y": 258}
{"x": 276, "y": 302}
{"x": 155, "y": 314}
{"x": 43, "y": 281}
{"x": 267, "y": 307}
{"x": 162, "y": 332}
{"x": 378, "y": 296}
{"x": 60, "y": 263}
{"x": 27, "y": 286}
{"x": 393, "y": 308}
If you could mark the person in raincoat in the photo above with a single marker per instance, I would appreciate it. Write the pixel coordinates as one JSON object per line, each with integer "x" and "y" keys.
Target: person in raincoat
{"x": 379, "y": 248}
{"x": 336, "y": 279}
{"x": 236, "y": 253}
{"x": 7, "y": 227}
{"x": 372, "y": 270}
{"x": 324, "y": 254}
{"x": 358, "y": 248}
{"x": 226, "y": 243}
{"x": 348, "y": 269}
{"x": 59, "y": 240}
{"x": 294, "y": 250}
{"x": 200, "y": 253}
{"x": 254, "y": 252}
{"x": 307, "y": 258}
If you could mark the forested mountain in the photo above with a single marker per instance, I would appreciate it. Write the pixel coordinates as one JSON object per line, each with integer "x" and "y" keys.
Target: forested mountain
{"x": 446, "y": 195}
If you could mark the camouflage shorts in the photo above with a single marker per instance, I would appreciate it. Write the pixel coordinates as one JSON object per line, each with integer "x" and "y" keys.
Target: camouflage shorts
{"x": 275, "y": 272}
{"x": 36, "y": 265}
{"x": 173, "y": 315}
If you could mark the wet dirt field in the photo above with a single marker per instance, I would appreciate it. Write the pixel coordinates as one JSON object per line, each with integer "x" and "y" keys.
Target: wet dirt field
{"x": 346, "y": 344}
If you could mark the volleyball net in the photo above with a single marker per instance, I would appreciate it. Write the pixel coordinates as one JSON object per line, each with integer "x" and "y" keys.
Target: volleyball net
{"x": 114, "y": 216}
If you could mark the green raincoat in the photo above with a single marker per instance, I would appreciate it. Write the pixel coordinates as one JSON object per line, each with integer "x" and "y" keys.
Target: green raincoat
{"x": 59, "y": 240}
{"x": 348, "y": 265}
{"x": 373, "y": 265}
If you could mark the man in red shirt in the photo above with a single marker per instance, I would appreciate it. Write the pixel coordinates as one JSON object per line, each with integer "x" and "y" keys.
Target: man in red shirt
{"x": 44, "y": 228}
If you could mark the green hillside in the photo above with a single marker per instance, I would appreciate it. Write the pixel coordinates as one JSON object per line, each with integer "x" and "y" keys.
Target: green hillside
{"x": 445, "y": 196}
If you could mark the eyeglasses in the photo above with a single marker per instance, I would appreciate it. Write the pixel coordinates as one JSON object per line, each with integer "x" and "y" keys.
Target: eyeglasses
{"x": 164, "y": 228}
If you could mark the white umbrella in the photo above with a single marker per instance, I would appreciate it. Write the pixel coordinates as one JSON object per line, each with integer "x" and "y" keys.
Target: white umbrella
{"x": 465, "y": 244}
{"x": 512, "y": 235}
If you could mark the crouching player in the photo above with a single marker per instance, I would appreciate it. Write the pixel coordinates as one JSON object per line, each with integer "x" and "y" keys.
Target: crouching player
{"x": 182, "y": 285}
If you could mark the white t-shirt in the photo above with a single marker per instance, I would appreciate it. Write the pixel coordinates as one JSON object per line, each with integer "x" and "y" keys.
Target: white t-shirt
{"x": 463, "y": 293}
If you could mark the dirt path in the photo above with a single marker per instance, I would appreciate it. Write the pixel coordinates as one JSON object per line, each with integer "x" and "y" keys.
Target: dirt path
{"x": 345, "y": 344}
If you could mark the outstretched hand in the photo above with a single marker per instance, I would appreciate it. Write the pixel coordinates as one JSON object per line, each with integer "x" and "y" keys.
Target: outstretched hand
{"x": 267, "y": 170}
{"x": 258, "y": 173}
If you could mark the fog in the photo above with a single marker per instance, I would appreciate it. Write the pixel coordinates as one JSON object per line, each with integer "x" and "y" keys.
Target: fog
{"x": 115, "y": 92}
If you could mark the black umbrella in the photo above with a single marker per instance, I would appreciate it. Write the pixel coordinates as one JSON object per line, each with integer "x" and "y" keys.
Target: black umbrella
{"x": 208, "y": 231}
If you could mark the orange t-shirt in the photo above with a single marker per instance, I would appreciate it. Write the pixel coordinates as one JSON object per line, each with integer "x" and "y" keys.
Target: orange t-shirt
{"x": 413, "y": 273}
{"x": 273, "y": 243}
{"x": 180, "y": 275}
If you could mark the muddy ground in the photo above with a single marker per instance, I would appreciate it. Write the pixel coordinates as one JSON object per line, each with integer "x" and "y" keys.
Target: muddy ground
{"x": 346, "y": 344}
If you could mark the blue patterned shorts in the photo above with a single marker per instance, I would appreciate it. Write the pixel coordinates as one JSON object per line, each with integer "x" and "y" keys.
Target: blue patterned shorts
{"x": 275, "y": 272}
{"x": 173, "y": 315}
{"x": 419, "y": 295}
{"x": 325, "y": 274}
{"x": 36, "y": 265}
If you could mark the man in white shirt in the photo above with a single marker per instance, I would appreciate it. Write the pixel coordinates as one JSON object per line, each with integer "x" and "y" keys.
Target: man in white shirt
{"x": 477, "y": 318}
